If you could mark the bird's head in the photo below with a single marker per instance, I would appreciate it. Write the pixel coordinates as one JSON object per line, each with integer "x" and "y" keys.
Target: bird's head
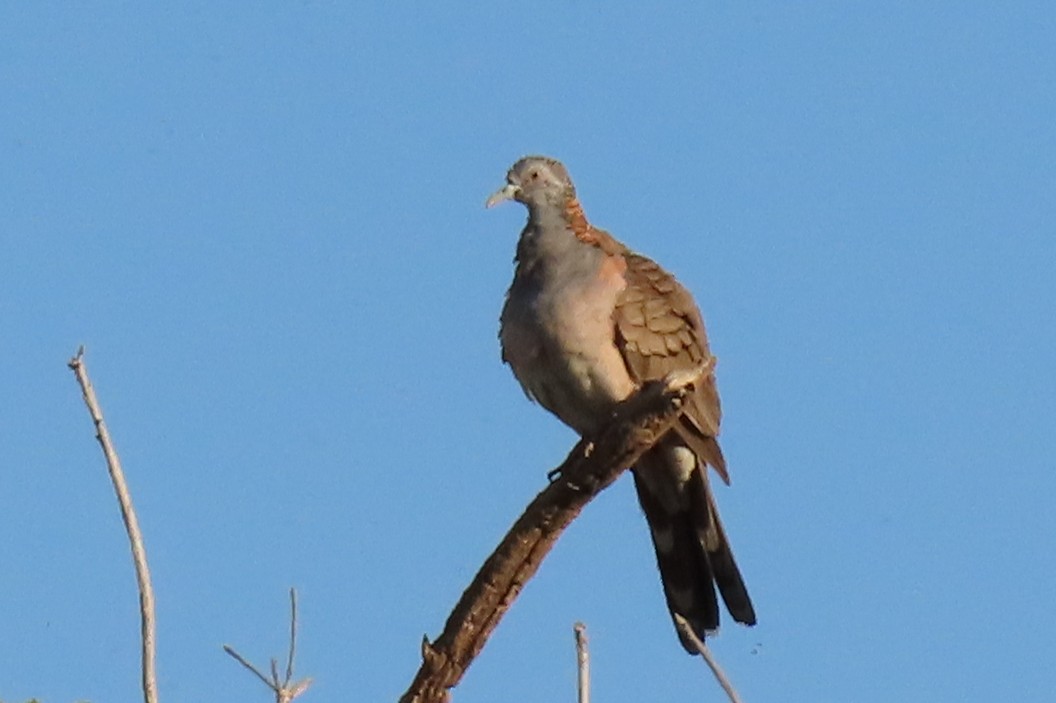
{"x": 536, "y": 181}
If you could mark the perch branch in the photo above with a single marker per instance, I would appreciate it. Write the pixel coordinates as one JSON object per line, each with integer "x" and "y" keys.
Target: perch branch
{"x": 638, "y": 423}
{"x": 128, "y": 515}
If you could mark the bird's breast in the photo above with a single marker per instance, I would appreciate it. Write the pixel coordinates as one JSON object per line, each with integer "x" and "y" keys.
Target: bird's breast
{"x": 558, "y": 337}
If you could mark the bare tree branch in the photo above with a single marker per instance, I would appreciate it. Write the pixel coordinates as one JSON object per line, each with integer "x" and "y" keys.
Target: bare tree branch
{"x": 582, "y": 663}
{"x": 285, "y": 689}
{"x": 638, "y": 423}
{"x": 128, "y": 515}
{"x": 713, "y": 663}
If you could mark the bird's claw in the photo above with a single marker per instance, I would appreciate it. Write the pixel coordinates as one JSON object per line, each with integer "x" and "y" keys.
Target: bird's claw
{"x": 555, "y": 474}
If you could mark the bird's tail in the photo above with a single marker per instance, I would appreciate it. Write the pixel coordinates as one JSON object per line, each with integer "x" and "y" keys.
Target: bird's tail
{"x": 692, "y": 550}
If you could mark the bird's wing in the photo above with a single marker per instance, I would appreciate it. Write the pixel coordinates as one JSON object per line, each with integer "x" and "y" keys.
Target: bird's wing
{"x": 659, "y": 330}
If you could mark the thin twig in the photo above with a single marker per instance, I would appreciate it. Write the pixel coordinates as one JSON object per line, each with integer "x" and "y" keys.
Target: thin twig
{"x": 705, "y": 651}
{"x": 285, "y": 689}
{"x": 242, "y": 660}
{"x": 293, "y": 634}
{"x": 128, "y": 515}
{"x": 582, "y": 662}
{"x": 638, "y": 423}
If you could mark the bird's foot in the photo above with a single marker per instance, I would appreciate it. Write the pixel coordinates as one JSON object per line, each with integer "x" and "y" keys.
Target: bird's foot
{"x": 586, "y": 446}
{"x": 677, "y": 381}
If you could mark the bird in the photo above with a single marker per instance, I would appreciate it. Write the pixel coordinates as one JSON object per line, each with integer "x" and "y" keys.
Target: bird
{"x": 586, "y": 322}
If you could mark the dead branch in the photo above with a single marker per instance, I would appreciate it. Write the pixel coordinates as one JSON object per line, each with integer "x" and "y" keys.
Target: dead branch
{"x": 582, "y": 663}
{"x": 128, "y": 515}
{"x": 713, "y": 663}
{"x": 638, "y": 423}
{"x": 285, "y": 689}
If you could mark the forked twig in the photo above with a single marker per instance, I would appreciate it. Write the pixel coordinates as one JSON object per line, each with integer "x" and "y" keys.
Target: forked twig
{"x": 285, "y": 689}
{"x": 149, "y": 679}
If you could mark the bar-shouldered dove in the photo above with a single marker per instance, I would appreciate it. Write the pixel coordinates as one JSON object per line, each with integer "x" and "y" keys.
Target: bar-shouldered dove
{"x": 586, "y": 322}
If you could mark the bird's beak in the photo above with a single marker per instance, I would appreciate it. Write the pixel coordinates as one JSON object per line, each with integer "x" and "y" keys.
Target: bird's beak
{"x": 507, "y": 192}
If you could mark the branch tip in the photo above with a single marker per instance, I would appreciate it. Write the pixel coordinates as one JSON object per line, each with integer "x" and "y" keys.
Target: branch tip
{"x": 684, "y": 629}
{"x": 75, "y": 361}
{"x": 582, "y": 663}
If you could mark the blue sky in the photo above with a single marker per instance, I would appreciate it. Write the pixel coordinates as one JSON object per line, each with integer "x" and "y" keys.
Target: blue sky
{"x": 267, "y": 227}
